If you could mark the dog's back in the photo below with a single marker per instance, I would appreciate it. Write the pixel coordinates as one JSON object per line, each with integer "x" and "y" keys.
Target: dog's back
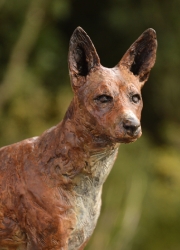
{"x": 12, "y": 190}
{"x": 51, "y": 185}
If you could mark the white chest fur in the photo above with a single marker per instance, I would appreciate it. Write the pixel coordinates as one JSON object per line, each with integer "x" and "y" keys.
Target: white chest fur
{"x": 88, "y": 197}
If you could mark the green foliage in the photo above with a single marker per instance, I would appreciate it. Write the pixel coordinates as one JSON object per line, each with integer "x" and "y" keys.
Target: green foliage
{"x": 141, "y": 204}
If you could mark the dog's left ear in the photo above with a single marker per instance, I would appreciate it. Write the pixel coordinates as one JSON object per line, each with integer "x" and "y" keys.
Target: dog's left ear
{"x": 82, "y": 56}
{"x": 141, "y": 56}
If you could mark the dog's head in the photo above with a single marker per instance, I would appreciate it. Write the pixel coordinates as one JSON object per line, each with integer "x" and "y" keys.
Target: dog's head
{"x": 109, "y": 100}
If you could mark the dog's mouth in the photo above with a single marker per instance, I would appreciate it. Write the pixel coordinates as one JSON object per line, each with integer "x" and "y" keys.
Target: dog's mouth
{"x": 128, "y": 136}
{"x": 126, "y": 140}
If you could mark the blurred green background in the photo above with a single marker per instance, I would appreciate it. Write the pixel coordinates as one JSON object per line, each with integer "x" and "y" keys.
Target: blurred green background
{"x": 141, "y": 198}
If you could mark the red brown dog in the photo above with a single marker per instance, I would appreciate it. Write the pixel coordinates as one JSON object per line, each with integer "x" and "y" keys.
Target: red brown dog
{"x": 50, "y": 186}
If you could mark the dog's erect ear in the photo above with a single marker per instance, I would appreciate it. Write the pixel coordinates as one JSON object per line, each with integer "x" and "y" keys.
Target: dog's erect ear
{"x": 82, "y": 56}
{"x": 141, "y": 56}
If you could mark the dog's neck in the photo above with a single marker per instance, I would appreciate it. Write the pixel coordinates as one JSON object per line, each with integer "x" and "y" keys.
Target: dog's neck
{"x": 72, "y": 143}
{"x": 84, "y": 133}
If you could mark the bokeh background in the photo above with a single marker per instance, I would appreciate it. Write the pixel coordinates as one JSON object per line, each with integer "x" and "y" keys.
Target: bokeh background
{"x": 141, "y": 198}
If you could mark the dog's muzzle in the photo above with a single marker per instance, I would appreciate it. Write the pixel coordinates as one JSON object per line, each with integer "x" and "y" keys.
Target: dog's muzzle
{"x": 131, "y": 125}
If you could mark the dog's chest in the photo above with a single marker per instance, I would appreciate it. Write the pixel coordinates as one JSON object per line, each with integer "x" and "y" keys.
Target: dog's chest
{"x": 88, "y": 197}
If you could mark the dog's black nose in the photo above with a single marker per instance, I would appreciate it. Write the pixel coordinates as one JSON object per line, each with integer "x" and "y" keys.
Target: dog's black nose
{"x": 132, "y": 126}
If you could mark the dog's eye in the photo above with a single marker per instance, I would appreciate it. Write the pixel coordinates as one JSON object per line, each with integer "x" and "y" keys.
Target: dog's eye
{"x": 136, "y": 98}
{"x": 104, "y": 98}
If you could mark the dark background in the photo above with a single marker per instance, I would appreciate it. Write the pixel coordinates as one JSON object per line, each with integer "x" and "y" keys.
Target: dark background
{"x": 141, "y": 198}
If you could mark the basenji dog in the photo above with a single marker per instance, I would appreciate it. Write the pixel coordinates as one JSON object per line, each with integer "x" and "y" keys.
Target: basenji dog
{"x": 51, "y": 185}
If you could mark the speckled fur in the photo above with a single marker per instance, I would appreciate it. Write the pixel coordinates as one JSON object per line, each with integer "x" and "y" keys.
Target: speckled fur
{"x": 51, "y": 185}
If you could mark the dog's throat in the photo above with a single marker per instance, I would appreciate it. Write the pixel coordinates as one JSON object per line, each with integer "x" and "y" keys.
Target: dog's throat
{"x": 87, "y": 193}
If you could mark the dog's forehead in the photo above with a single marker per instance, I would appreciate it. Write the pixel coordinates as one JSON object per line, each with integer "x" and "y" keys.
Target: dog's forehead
{"x": 105, "y": 75}
{"x": 113, "y": 78}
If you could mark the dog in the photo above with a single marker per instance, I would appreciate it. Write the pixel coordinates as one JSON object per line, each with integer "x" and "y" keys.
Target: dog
{"x": 51, "y": 185}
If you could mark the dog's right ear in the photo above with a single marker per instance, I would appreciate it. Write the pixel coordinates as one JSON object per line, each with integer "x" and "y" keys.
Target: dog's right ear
{"x": 140, "y": 57}
{"x": 82, "y": 57}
